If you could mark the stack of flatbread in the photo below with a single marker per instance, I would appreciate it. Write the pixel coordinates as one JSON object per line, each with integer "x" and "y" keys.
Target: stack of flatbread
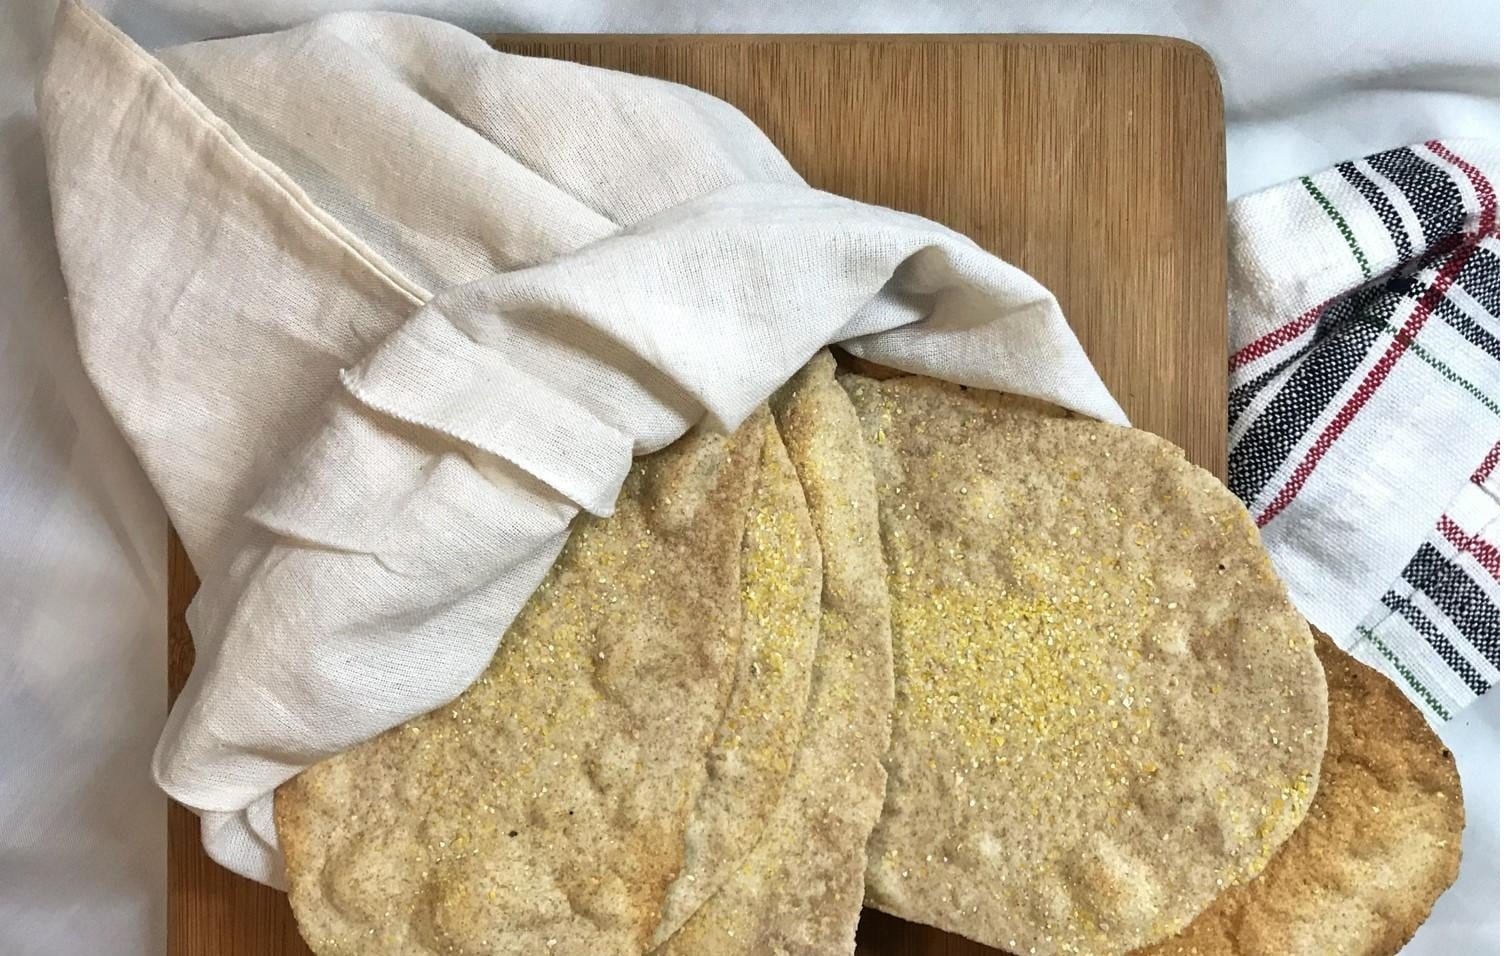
{"x": 982, "y": 665}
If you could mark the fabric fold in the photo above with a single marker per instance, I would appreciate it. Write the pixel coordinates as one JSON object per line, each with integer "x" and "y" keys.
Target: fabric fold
{"x": 374, "y": 393}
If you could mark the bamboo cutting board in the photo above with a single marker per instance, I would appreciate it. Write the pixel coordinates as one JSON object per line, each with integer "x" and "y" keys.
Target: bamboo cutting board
{"x": 1093, "y": 163}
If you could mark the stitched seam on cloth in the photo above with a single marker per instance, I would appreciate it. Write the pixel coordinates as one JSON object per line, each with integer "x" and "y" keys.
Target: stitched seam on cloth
{"x": 1441, "y": 638}
{"x": 1405, "y": 672}
{"x": 1427, "y": 565}
{"x": 1341, "y": 223}
{"x": 1366, "y": 389}
{"x": 268, "y": 171}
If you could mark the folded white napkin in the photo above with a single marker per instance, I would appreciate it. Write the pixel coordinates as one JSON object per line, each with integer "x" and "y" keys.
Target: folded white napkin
{"x": 381, "y": 310}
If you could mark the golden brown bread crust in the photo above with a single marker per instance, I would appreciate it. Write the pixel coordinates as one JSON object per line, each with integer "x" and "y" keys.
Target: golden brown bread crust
{"x": 800, "y": 890}
{"x": 754, "y": 748}
{"x": 1106, "y": 708}
{"x": 544, "y": 810}
{"x": 1358, "y": 876}
{"x": 1380, "y": 844}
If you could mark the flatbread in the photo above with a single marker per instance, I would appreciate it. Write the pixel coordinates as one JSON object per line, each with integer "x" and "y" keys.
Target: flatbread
{"x": 1106, "y": 710}
{"x": 800, "y": 891}
{"x": 545, "y": 809}
{"x": 753, "y": 751}
{"x": 1382, "y": 841}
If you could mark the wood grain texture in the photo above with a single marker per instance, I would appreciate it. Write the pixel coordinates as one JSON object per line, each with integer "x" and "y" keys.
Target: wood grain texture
{"x": 1093, "y": 163}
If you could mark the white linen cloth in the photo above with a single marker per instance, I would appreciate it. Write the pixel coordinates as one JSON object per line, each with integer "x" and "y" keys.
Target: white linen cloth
{"x": 373, "y": 448}
{"x": 82, "y": 536}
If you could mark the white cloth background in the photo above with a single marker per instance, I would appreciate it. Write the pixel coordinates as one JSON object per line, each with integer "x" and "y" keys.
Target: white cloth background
{"x": 82, "y": 588}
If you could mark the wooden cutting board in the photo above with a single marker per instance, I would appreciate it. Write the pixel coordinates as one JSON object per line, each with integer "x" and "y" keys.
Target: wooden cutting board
{"x": 1093, "y": 163}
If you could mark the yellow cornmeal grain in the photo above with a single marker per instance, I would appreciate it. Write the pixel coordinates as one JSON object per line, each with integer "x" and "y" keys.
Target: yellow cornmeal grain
{"x": 773, "y": 585}
{"x": 1022, "y": 676}
{"x": 752, "y": 752}
{"x": 801, "y": 889}
{"x": 546, "y": 809}
{"x": 1105, "y": 705}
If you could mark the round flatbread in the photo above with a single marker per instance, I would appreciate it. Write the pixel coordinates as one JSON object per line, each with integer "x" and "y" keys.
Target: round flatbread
{"x": 800, "y": 891}
{"x": 753, "y": 751}
{"x": 1382, "y": 841}
{"x": 1107, "y": 712}
{"x": 545, "y": 810}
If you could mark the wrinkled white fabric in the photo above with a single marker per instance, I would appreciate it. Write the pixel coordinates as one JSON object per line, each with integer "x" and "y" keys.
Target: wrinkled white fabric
{"x": 82, "y": 689}
{"x": 382, "y": 309}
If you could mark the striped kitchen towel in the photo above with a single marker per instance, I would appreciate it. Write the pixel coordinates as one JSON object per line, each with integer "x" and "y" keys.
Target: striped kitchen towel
{"x": 1363, "y": 412}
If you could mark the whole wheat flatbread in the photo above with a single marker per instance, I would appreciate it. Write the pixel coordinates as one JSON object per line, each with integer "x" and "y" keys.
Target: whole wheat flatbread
{"x": 1106, "y": 710}
{"x": 753, "y": 751}
{"x": 545, "y": 810}
{"x": 1383, "y": 838}
{"x": 800, "y": 890}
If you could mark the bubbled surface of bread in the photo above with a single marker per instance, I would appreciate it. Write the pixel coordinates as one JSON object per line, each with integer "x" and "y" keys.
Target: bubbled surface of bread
{"x": 1107, "y": 712}
{"x": 1381, "y": 842}
{"x": 546, "y": 809}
